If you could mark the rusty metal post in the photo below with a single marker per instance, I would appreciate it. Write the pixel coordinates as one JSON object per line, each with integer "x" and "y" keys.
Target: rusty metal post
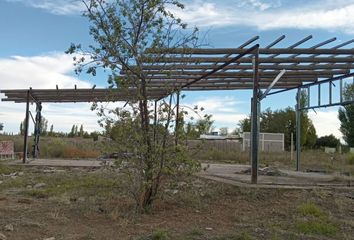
{"x": 298, "y": 129}
{"x": 255, "y": 119}
{"x": 37, "y": 130}
{"x": 177, "y": 118}
{"x": 26, "y": 123}
{"x": 155, "y": 121}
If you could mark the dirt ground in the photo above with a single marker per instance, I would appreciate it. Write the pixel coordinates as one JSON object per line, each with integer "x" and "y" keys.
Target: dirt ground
{"x": 76, "y": 203}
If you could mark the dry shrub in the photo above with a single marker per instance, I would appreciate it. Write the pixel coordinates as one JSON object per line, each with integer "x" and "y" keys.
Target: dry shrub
{"x": 74, "y": 152}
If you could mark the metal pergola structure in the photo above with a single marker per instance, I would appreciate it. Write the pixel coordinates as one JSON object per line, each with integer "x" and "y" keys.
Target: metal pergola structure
{"x": 262, "y": 70}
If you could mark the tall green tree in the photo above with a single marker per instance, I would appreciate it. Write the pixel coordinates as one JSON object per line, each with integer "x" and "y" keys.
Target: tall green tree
{"x": 51, "y": 131}
{"x": 327, "y": 141}
{"x": 125, "y": 33}
{"x": 81, "y": 131}
{"x": 72, "y": 132}
{"x": 44, "y": 126}
{"x": 205, "y": 125}
{"x": 224, "y": 131}
{"x": 346, "y": 115}
{"x": 283, "y": 121}
{"x": 22, "y": 130}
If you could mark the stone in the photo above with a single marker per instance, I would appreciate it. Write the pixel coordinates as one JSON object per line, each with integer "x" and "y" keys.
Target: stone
{"x": 1, "y": 182}
{"x": 24, "y": 200}
{"x": 51, "y": 238}
{"x": 181, "y": 184}
{"x": 20, "y": 173}
{"x": 2, "y": 236}
{"x": 9, "y": 227}
{"x": 39, "y": 185}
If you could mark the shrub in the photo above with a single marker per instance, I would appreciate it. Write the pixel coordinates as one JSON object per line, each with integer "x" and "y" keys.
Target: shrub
{"x": 310, "y": 209}
{"x": 74, "y": 152}
{"x": 314, "y": 227}
{"x": 350, "y": 159}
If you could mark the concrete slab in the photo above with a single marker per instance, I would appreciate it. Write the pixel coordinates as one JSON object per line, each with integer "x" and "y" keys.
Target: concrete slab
{"x": 235, "y": 174}
{"x": 227, "y": 173}
{"x": 62, "y": 163}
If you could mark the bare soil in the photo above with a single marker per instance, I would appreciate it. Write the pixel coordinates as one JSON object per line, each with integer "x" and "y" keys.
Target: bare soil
{"x": 92, "y": 204}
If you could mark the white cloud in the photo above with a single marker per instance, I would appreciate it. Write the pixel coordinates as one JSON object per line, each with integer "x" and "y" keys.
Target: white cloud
{"x": 61, "y": 7}
{"x": 262, "y": 14}
{"x": 43, "y": 72}
{"x": 38, "y": 72}
{"x": 259, "y": 4}
{"x": 327, "y": 15}
{"x": 326, "y": 123}
{"x": 225, "y": 110}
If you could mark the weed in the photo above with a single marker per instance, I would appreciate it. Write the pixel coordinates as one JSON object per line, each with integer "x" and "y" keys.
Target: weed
{"x": 18, "y": 182}
{"x": 350, "y": 159}
{"x": 310, "y": 209}
{"x": 159, "y": 234}
{"x": 318, "y": 224}
{"x": 316, "y": 227}
{"x": 5, "y": 169}
{"x": 242, "y": 236}
{"x": 37, "y": 193}
{"x": 196, "y": 232}
{"x": 88, "y": 184}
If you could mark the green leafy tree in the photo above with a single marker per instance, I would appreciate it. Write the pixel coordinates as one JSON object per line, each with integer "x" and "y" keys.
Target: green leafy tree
{"x": 76, "y": 132}
{"x": 327, "y": 141}
{"x": 283, "y": 121}
{"x": 236, "y": 131}
{"x": 245, "y": 124}
{"x": 190, "y": 131}
{"x": 44, "y": 126}
{"x": 22, "y": 129}
{"x": 205, "y": 125}
{"x": 224, "y": 131}
{"x": 51, "y": 131}
{"x": 72, "y": 132}
{"x": 81, "y": 131}
{"x": 346, "y": 115}
{"x": 125, "y": 33}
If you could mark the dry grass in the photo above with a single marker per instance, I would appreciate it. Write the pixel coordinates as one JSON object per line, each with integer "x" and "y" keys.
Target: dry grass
{"x": 311, "y": 160}
{"x": 53, "y": 147}
{"x": 83, "y": 204}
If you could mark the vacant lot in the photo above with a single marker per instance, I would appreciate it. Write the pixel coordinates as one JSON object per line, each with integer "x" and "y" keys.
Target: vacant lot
{"x": 40, "y": 203}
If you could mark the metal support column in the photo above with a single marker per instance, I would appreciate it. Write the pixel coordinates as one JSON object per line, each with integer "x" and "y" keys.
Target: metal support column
{"x": 155, "y": 120}
{"x": 298, "y": 129}
{"x": 37, "y": 130}
{"x": 177, "y": 118}
{"x": 255, "y": 119}
{"x": 26, "y": 123}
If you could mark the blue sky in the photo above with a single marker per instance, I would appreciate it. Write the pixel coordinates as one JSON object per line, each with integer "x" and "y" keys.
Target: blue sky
{"x": 35, "y": 34}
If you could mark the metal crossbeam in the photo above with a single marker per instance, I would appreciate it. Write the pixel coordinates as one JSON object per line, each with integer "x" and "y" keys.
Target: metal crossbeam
{"x": 282, "y": 72}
